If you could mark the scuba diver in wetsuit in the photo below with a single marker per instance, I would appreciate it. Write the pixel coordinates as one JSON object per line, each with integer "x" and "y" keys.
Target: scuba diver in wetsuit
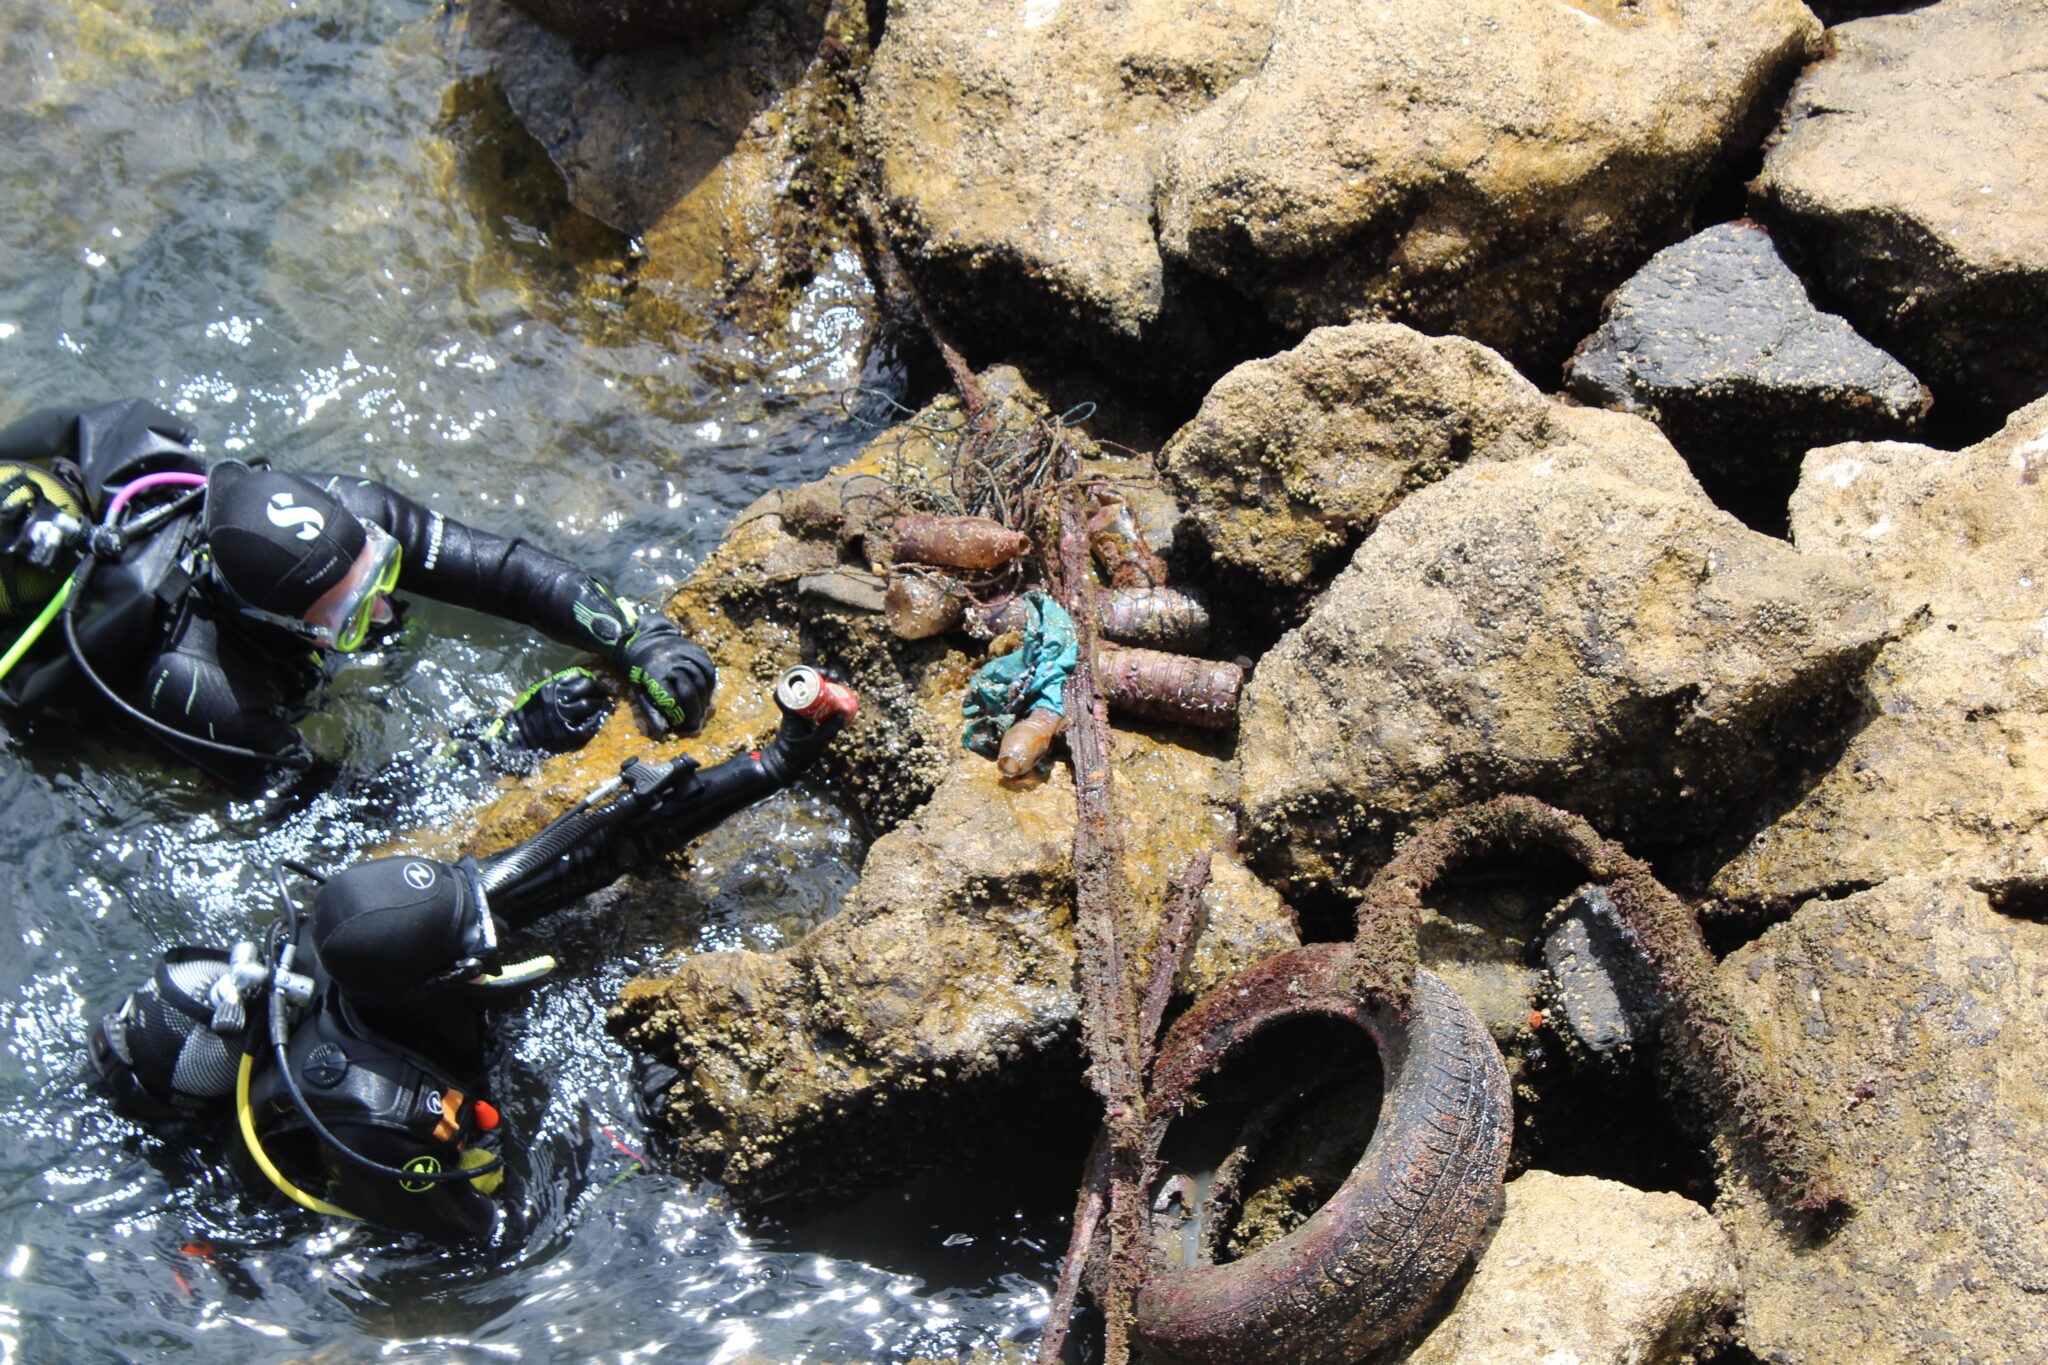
{"x": 210, "y": 602}
{"x": 295, "y": 1040}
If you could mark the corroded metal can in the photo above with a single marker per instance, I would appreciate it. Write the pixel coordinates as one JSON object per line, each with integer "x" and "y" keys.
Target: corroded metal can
{"x": 810, "y": 694}
{"x": 1155, "y": 618}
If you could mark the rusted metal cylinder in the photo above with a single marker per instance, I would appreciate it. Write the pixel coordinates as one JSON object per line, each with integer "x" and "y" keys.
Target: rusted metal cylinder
{"x": 1154, "y": 618}
{"x": 1118, "y": 544}
{"x": 918, "y": 605}
{"x": 1025, "y": 743}
{"x": 958, "y": 542}
{"x": 1170, "y": 687}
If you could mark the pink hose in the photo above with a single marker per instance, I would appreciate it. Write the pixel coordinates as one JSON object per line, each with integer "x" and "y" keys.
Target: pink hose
{"x": 144, "y": 484}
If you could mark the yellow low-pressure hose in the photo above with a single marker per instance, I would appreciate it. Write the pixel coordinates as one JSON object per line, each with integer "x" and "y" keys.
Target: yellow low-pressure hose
{"x": 249, "y": 1138}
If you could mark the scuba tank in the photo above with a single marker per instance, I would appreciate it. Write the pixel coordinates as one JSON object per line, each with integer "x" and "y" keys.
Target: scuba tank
{"x": 337, "y": 1114}
{"x": 45, "y": 515}
{"x": 381, "y": 1101}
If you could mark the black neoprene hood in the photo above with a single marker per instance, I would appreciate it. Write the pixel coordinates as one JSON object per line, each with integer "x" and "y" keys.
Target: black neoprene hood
{"x": 278, "y": 541}
{"x": 392, "y": 925}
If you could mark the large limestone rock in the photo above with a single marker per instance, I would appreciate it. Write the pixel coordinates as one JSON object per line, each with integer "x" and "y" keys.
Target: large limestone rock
{"x": 1590, "y": 1272}
{"x": 1478, "y": 166}
{"x": 940, "y": 1004}
{"x": 1293, "y": 459}
{"x": 1716, "y": 341}
{"x": 1947, "y": 767}
{"x": 1909, "y": 175}
{"x": 1914, "y": 1019}
{"x": 1089, "y": 172}
{"x": 1568, "y": 625}
{"x": 1016, "y": 148}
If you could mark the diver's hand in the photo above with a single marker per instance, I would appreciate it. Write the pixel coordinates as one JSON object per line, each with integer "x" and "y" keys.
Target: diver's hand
{"x": 559, "y": 714}
{"x": 674, "y": 677}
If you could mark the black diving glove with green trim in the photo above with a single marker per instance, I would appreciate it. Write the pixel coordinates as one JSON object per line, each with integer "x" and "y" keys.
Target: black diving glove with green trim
{"x": 671, "y": 677}
{"x": 555, "y": 715}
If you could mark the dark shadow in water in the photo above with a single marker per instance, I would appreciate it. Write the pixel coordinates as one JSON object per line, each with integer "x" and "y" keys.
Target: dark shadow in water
{"x": 635, "y": 132}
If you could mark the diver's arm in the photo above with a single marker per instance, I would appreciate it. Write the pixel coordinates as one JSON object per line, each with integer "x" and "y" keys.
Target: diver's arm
{"x": 509, "y": 578}
{"x": 580, "y": 853}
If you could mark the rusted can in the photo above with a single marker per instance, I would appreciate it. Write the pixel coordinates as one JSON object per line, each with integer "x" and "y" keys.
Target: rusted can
{"x": 806, "y": 692}
{"x": 1118, "y": 544}
{"x": 1154, "y": 618}
{"x": 918, "y": 605}
{"x": 1170, "y": 687}
{"x": 1024, "y": 744}
{"x": 958, "y": 542}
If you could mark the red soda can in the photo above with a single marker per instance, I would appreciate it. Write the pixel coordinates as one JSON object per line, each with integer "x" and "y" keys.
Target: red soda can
{"x": 814, "y": 696}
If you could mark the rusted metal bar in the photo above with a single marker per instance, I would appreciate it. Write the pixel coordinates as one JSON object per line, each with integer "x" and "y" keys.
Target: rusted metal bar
{"x": 1109, "y": 1023}
{"x": 903, "y": 291}
{"x": 1087, "y": 1215}
{"x": 1182, "y": 910}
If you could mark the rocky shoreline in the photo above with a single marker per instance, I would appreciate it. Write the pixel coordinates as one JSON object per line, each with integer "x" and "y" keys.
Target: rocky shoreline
{"x": 1530, "y": 390}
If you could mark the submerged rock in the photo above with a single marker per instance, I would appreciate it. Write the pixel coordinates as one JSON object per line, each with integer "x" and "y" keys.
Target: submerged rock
{"x": 1908, "y": 177}
{"x": 1717, "y": 343}
{"x": 1591, "y": 1272}
{"x": 1570, "y": 625}
{"x": 1940, "y": 769}
{"x": 717, "y": 158}
{"x": 610, "y": 24}
{"x": 1912, "y": 1018}
{"x": 1327, "y": 161}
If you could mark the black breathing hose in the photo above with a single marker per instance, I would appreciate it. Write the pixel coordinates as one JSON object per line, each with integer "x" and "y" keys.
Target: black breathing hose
{"x": 173, "y": 737}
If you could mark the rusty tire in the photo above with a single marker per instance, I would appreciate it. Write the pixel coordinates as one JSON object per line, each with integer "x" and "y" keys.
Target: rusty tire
{"x": 1364, "y": 1266}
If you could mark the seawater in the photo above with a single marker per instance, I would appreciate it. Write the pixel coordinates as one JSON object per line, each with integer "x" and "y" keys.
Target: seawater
{"x": 291, "y": 222}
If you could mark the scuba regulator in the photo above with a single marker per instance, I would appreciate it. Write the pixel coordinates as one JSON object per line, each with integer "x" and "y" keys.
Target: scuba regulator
{"x": 294, "y": 1036}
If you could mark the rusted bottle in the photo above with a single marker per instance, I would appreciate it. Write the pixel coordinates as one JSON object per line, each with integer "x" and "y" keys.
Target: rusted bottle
{"x": 920, "y": 605}
{"x": 1025, "y": 743}
{"x": 1119, "y": 545}
{"x": 958, "y": 542}
{"x": 1155, "y": 618}
{"x": 1170, "y": 687}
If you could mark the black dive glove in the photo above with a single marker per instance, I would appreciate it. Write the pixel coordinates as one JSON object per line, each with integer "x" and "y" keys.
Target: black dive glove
{"x": 558, "y": 714}
{"x": 673, "y": 676}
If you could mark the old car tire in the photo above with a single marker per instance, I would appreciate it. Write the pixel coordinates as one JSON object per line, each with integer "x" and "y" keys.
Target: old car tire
{"x": 1367, "y": 1263}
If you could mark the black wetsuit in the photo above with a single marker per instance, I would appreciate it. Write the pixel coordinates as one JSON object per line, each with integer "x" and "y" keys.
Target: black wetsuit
{"x": 219, "y": 675}
{"x": 194, "y": 663}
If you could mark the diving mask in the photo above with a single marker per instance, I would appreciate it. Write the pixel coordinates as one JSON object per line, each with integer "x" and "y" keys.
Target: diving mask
{"x": 340, "y": 618}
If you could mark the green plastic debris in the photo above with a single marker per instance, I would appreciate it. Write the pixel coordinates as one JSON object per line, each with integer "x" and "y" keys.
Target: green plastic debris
{"x": 1032, "y": 677}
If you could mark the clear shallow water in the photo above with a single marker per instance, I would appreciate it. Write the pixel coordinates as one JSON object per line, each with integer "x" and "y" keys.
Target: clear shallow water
{"x": 293, "y": 224}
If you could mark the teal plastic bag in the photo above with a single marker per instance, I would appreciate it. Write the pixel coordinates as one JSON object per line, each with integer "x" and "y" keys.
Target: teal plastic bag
{"x": 1032, "y": 677}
